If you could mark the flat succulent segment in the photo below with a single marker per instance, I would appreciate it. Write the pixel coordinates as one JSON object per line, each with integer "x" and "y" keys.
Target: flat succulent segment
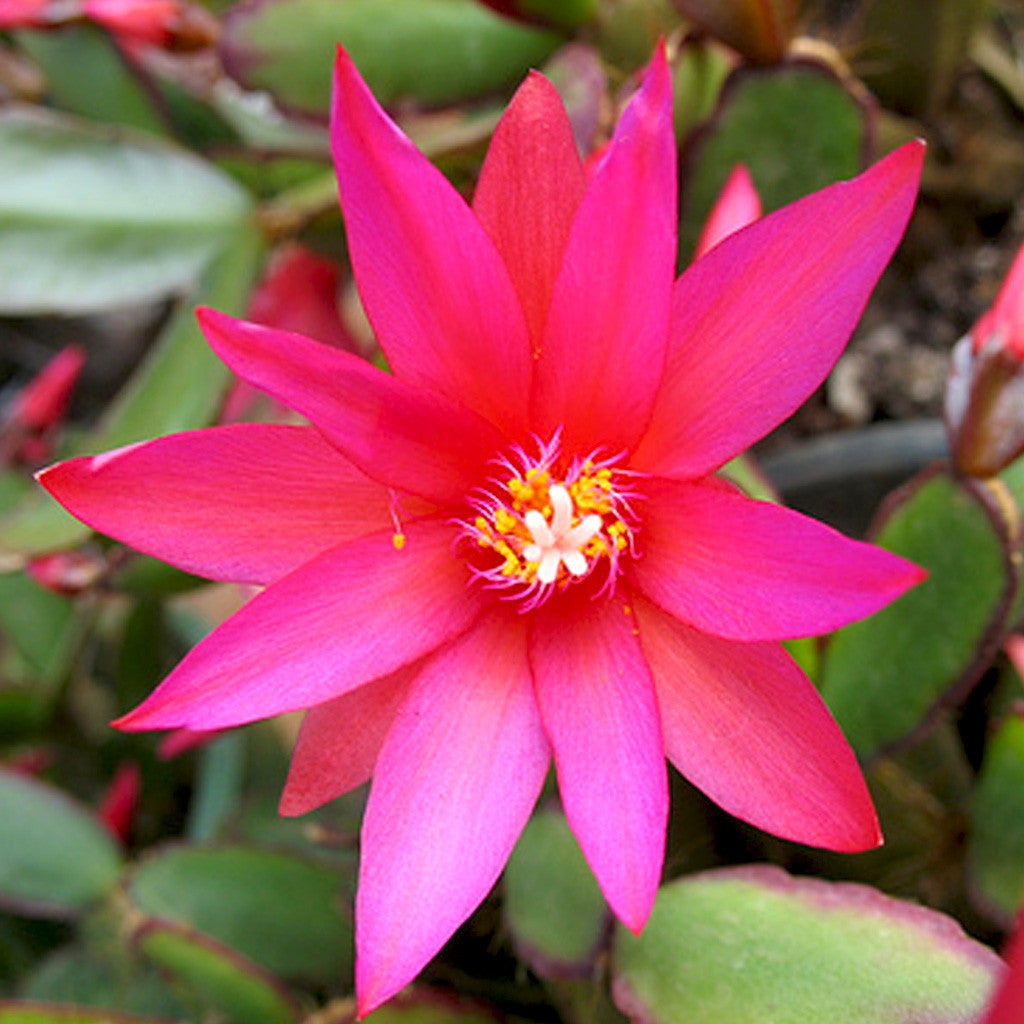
{"x": 809, "y": 950}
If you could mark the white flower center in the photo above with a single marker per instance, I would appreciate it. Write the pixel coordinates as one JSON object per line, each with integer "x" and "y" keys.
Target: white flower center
{"x": 559, "y": 542}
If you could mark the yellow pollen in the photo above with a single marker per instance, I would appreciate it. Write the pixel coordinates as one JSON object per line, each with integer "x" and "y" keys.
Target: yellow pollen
{"x": 547, "y": 532}
{"x": 398, "y": 539}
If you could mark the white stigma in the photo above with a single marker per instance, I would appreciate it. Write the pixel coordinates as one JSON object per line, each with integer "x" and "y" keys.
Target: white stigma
{"x": 559, "y": 542}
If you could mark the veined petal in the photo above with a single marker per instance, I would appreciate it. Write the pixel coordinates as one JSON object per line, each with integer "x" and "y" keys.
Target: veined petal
{"x": 759, "y": 321}
{"x": 435, "y": 289}
{"x": 246, "y": 503}
{"x": 746, "y": 726}
{"x": 339, "y": 741}
{"x": 351, "y": 615}
{"x": 399, "y": 434}
{"x": 603, "y": 350}
{"x": 599, "y": 710}
{"x": 529, "y": 188}
{"x": 751, "y": 570}
{"x": 456, "y": 780}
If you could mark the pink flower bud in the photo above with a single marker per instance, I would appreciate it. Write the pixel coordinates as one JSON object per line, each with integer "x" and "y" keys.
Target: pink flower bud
{"x": 67, "y": 572}
{"x": 119, "y": 805}
{"x": 985, "y": 391}
{"x": 36, "y": 412}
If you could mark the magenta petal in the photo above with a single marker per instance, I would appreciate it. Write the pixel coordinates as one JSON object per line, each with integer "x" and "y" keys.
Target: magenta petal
{"x": 339, "y": 741}
{"x": 351, "y": 615}
{"x": 399, "y": 434}
{"x": 604, "y": 344}
{"x": 246, "y": 503}
{"x": 737, "y": 205}
{"x": 759, "y": 321}
{"x": 455, "y": 783}
{"x": 598, "y": 705}
{"x": 434, "y": 287}
{"x": 529, "y": 188}
{"x": 746, "y": 726}
{"x": 751, "y": 570}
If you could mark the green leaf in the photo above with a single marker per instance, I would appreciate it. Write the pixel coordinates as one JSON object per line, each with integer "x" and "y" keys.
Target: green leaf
{"x": 39, "y": 624}
{"x": 883, "y": 677}
{"x": 56, "y": 858}
{"x": 92, "y": 218}
{"x": 87, "y": 75}
{"x": 287, "y": 915}
{"x": 15, "y": 1011}
{"x": 795, "y": 127}
{"x": 218, "y": 786}
{"x": 755, "y": 945}
{"x": 699, "y": 71}
{"x": 181, "y": 383}
{"x": 178, "y": 387}
{"x": 553, "y": 906}
{"x": 213, "y": 974}
{"x": 995, "y": 849}
{"x": 434, "y": 51}
{"x": 79, "y": 976}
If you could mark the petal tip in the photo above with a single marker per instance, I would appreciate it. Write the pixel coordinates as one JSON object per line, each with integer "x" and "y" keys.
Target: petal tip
{"x": 145, "y": 718}
{"x": 372, "y": 992}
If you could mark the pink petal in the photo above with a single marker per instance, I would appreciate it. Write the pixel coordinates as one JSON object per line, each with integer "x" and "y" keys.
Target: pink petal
{"x": 529, "y": 188}
{"x": 1007, "y": 313}
{"x": 746, "y": 726}
{"x": 597, "y": 701}
{"x": 23, "y": 13}
{"x": 456, "y": 780}
{"x": 435, "y": 289}
{"x": 352, "y": 615}
{"x": 247, "y": 503}
{"x": 404, "y": 436}
{"x": 759, "y": 321}
{"x": 738, "y": 205}
{"x": 604, "y": 345}
{"x": 751, "y": 570}
{"x": 339, "y": 741}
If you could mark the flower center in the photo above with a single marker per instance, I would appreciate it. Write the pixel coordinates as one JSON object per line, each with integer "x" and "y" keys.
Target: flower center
{"x": 546, "y": 523}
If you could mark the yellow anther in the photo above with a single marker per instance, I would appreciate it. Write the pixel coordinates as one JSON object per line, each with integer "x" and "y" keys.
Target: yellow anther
{"x": 504, "y": 521}
{"x": 398, "y": 539}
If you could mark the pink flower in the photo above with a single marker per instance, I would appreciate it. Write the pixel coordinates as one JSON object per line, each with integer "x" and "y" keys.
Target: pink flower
{"x": 516, "y": 547}
{"x": 174, "y": 24}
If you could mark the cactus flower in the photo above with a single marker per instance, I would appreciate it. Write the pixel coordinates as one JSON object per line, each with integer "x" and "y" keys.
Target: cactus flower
{"x": 515, "y": 548}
